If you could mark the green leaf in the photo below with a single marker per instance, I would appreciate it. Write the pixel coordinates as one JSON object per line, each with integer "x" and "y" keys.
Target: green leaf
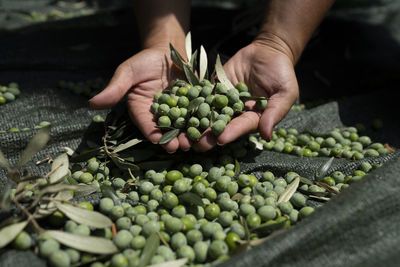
{"x": 246, "y": 98}
{"x": 193, "y": 61}
{"x": 237, "y": 196}
{"x": 123, "y": 164}
{"x": 149, "y": 250}
{"x": 267, "y": 228}
{"x": 126, "y": 145}
{"x": 237, "y": 167}
{"x": 257, "y": 144}
{"x": 219, "y": 69}
{"x": 168, "y": 136}
{"x": 176, "y": 57}
{"x": 84, "y": 156}
{"x": 246, "y": 228}
{"x": 323, "y": 170}
{"x": 203, "y": 63}
{"x": 3, "y": 161}
{"x": 36, "y": 144}
{"x": 84, "y": 216}
{"x": 8, "y": 233}
{"x": 193, "y": 105}
{"x": 60, "y": 167}
{"x": 306, "y": 181}
{"x": 173, "y": 263}
{"x": 91, "y": 244}
{"x": 191, "y": 199}
{"x": 289, "y": 191}
{"x": 190, "y": 76}
{"x": 188, "y": 45}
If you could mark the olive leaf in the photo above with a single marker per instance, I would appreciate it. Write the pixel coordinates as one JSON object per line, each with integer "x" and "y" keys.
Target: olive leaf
{"x": 36, "y": 144}
{"x": 60, "y": 168}
{"x": 123, "y": 164}
{"x": 71, "y": 180}
{"x": 237, "y": 196}
{"x": 176, "y": 57}
{"x": 173, "y": 263}
{"x": 246, "y": 228}
{"x": 319, "y": 198}
{"x": 323, "y": 170}
{"x": 219, "y": 69}
{"x": 127, "y": 145}
{"x": 190, "y": 198}
{"x": 194, "y": 104}
{"x": 246, "y": 98}
{"x": 328, "y": 187}
{"x": 188, "y": 45}
{"x": 257, "y": 144}
{"x": 89, "y": 244}
{"x": 289, "y": 191}
{"x": 306, "y": 181}
{"x": 237, "y": 167}
{"x": 308, "y": 193}
{"x": 267, "y": 228}
{"x": 84, "y": 216}
{"x": 84, "y": 156}
{"x": 8, "y": 233}
{"x": 193, "y": 61}
{"x": 149, "y": 250}
{"x": 168, "y": 136}
{"x": 48, "y": 208}
{"x": 3, "y": 161}
{"x": 68, "y": 150}
{"x": 190, "y": 76}
{"x": 203, "y": 63}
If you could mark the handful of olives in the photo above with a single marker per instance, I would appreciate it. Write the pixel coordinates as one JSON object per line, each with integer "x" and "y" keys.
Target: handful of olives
{"x": 9, "y": 93}
{"x": 195, "y": 108}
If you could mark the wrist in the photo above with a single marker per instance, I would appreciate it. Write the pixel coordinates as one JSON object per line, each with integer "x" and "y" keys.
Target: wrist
{"x": 273, "y": 41}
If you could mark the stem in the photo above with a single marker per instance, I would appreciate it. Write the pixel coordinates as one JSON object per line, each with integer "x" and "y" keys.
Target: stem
{"x": 30, "y": 217}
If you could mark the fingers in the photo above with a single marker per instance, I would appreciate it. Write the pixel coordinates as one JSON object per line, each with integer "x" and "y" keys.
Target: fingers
{"x": 239, "y": 126}
{"x": 120, "y": 83}
{"x": 206, "y": 141}
{"x": 184, "y": 141}
{"x": 277, "y": 107}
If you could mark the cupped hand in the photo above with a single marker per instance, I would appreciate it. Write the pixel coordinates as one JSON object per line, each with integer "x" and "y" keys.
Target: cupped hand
{"x": 140, "y": 78}
{"x": 268, "y": 70}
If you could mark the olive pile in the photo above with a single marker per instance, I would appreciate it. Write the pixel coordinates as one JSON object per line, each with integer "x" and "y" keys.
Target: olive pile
{"x": 88, "y": 88}
{"x": 343, "y": 143}
{"x": 155, "y": 202}
{"x": 15, "y": 129}
{"x": 9, "y": 93}
{"x": 196, "y": 108}
{"x": 202, "y": 212}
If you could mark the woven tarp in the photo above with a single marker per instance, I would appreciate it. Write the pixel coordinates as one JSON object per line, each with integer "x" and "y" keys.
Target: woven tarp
{"x": 358, "y": 227}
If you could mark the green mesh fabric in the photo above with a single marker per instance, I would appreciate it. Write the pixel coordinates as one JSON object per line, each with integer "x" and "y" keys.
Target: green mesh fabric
{"x": 359, "y": 227}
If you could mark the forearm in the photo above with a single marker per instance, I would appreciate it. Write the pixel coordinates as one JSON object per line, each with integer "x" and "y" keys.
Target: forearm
{"x": 162, "y": 22}
{"x": 289, "y": 24}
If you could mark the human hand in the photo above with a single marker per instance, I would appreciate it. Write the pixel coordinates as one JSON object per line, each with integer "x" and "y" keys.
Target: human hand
{"x": 140, "y": 78}
{"x": 267, "y": 67}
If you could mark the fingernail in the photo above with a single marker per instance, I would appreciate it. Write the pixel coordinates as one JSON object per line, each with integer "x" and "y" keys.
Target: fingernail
{"x": 186, "y": 149}
{"x": 219, "y": 144}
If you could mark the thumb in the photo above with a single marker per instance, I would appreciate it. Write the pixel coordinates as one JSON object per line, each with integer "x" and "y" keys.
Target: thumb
{"x": 120, "y": 83}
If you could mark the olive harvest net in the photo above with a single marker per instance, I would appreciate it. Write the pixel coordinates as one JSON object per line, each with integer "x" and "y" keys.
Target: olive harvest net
{"x": 358, "y": 227}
